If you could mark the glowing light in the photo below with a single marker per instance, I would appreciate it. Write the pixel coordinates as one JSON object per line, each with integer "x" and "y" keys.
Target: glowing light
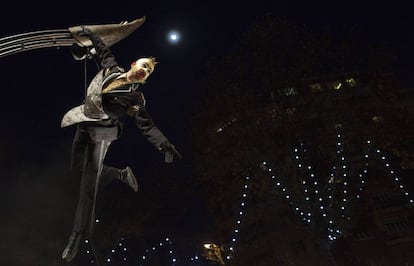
{"x": 174, "y": 37}
{"x": 310, "y": 184}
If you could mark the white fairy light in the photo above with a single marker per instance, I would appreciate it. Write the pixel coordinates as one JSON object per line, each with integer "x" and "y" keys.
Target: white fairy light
{"x": 310, "y": 184}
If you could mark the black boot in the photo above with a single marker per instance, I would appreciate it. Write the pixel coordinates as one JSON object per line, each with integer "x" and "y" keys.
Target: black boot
{"x": 69, "y": 253}
{"x": 127, "y": 176}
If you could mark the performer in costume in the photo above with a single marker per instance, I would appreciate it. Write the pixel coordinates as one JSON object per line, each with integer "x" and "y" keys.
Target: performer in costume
{"x": 112, "y": 94}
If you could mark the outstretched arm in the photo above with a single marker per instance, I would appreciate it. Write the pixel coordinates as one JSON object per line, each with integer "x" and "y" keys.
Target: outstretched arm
{"x": 103, "y": 54}
{"x": 152, "y": 133}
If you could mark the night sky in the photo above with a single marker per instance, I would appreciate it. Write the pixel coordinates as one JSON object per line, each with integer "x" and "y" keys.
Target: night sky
{"x": 37, "y": 198}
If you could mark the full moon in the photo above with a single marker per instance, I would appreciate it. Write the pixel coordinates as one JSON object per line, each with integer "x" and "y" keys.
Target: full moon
{"x": 173, "y": 37}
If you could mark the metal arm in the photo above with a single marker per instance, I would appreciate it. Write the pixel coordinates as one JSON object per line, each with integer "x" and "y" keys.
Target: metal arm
{"x": 109, "y": 33}
{"x": 35, "y": 40}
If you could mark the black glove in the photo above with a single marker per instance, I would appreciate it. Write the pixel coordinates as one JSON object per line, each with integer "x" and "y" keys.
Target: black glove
{"x": 80, "y": 52}
{"x": 99, "y": 49}
{"x": 95, "y": 39}
{"x": 169, "y": 151}
{"x": 84, "y": 32}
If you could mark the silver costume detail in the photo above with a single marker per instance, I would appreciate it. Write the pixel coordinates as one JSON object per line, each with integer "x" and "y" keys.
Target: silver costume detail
{"x": 109, "y": 33}
{"x": 92, "y": 109}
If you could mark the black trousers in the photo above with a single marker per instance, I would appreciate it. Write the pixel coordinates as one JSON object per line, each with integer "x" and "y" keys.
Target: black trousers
{"x": 89, "y": 147}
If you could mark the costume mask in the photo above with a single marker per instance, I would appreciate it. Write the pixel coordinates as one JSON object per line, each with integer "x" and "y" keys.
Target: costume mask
{"x": 142, "y": 68}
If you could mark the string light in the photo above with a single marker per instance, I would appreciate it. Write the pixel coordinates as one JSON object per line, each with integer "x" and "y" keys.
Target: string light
{"x": 338, "y": 178}
{"x": 226, "y": 124}
{"x": 395, "y": 178}
{"x": 284, "y": 192}
{"x": 325, "y": 198}
{"x": 166, "y": 243}
{"x": 237, "y": 226}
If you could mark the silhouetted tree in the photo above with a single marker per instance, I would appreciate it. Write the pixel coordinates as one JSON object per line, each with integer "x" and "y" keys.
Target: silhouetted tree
{"x": 258, "y": 105}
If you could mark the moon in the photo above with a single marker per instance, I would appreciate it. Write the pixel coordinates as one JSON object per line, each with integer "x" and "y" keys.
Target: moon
{"x": 173, "y": 37}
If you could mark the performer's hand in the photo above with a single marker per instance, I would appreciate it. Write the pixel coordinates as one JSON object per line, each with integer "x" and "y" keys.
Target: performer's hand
{"x": 169, "y": 151}
{"x": 80, "y": 52}
{"x": 97, "y": 43}
{"x": 84, "y": 32}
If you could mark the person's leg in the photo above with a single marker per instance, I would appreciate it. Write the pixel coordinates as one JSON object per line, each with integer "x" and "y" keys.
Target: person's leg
{"x": 93, "y": 152}
{"x": 79, "y": 148}
{"x": 88, "y": 153}
{"x": 89, "y": 186}
{"x": 126, "y": 176}
{"x": 110, "y": 173}
{"x": 78, "y": 160}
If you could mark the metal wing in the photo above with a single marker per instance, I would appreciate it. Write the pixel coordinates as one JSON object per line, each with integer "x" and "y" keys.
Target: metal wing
{"x": 109, "y": 33}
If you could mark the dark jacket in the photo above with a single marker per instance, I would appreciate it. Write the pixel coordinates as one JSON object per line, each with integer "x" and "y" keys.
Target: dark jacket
{"x": 126, "y": 100}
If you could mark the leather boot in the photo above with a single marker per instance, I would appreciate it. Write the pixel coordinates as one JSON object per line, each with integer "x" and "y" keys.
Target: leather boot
{"x": 71, "y": 249}
{"x": 128, "y": 177}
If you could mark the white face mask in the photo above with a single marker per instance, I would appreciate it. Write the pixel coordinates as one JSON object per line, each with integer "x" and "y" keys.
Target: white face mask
{"x": 141, "y": 69}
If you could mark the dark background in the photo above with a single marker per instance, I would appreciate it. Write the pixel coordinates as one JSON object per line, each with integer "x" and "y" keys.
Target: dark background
{"x": 37, "y": 198}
